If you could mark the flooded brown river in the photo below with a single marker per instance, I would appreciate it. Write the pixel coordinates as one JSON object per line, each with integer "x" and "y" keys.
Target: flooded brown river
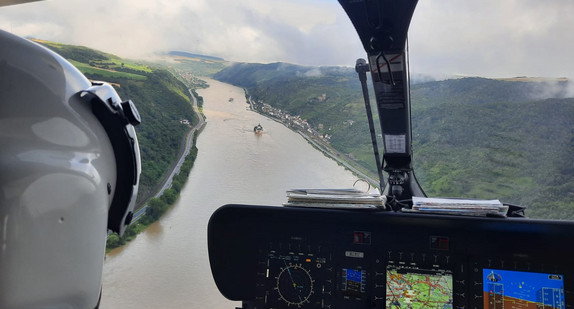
{"x": 167, "y": 266}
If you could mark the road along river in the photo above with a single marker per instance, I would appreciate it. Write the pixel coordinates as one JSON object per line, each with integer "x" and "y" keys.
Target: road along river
{"x": 167, "y": 266}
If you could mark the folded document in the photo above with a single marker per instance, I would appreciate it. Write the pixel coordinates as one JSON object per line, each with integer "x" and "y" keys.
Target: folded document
{"x": 465, "y": 207}
{"x": 335, "y": 198}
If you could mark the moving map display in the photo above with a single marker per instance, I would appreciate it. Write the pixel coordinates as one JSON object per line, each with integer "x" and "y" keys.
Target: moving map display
{"x": 418, "y": 288}
{"x": 517, "y": 289}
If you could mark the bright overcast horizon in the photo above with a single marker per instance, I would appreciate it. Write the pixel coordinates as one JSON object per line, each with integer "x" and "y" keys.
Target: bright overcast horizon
{"x": 446, "y": 38}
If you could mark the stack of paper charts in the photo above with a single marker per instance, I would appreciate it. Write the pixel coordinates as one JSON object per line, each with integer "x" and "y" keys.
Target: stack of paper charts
{"x": 465, "y": 207}
{"x": 335, "y": 198}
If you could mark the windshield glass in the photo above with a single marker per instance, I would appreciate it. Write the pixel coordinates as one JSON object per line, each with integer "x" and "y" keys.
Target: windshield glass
{"x": 269, "y": 92}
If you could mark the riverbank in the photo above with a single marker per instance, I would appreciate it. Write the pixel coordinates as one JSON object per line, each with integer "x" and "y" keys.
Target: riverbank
{"x": 186, "y": 143}
{"x": 313, "y": 138}
{"x": 170, "y": 187}
{"x": 337, "y": 156}
{"x": 158, "y": 205}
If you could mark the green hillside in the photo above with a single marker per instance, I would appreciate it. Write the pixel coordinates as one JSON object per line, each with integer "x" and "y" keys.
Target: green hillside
{"x": 473, "y": 137}
{"x": 197, "y": 65}
{"x": 501, "y": 145}
{"x": 162, "y": 100}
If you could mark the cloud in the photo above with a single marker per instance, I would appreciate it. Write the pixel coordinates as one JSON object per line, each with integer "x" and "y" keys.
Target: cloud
{"x": 253, "y": 30}
{"x": 552, "y": 89}
{"x": 486, "y": 37}
{"x": 493, "y": 38}
{"x": 314, "y": 72}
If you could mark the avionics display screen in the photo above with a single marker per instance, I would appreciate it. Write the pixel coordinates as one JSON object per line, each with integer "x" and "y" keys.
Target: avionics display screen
{"x": 353, "y": 281}
{"x": 506, "y": 288}
{"x": 418, "y": 288}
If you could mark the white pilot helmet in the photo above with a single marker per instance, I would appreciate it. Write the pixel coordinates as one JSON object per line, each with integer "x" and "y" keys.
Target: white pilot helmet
{"x": 69, "y": 171}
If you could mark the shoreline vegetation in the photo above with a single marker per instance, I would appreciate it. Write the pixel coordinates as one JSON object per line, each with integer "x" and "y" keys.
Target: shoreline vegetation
{"x": 312, "y": 137}
{"x": 327, "y": 150}
{"x": 157, "y": 206}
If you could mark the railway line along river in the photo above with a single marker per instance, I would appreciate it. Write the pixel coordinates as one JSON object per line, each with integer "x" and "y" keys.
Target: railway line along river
{"x": 167, "y": 265}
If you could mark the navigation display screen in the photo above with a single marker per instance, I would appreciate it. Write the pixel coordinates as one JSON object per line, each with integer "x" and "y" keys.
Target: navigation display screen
{"x": 418, "y": 288}
{"x": 506, "y": 288}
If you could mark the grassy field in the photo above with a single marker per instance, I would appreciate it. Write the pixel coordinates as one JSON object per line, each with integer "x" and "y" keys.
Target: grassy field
{"x": 106, "y": 73}
{"x": 90, "y": 61}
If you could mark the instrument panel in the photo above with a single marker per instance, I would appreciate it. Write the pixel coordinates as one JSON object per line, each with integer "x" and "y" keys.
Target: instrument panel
{"x": 280, "y": 257}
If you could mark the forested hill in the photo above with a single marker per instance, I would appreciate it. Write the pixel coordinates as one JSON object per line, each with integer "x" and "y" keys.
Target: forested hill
{"x": 473, "y": 137}
{"x": 162, "y": 100}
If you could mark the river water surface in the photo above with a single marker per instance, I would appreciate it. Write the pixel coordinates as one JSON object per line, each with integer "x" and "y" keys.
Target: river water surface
{"x": 167, "y": 265}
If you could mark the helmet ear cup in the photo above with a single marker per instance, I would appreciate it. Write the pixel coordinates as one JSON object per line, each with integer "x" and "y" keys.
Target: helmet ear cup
{"x": 118, "y": 120}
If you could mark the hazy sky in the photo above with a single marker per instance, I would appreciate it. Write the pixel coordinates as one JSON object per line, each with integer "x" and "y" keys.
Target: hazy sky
{"x": 491, "y": 38}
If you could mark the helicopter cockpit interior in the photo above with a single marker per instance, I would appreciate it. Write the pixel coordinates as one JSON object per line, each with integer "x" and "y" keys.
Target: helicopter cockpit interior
{"x": 389, "y": 257}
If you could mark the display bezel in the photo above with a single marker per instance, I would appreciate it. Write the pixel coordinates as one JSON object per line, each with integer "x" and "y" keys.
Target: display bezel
{"x": 523, "y": 288}
{"x": 444, "y": 276}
